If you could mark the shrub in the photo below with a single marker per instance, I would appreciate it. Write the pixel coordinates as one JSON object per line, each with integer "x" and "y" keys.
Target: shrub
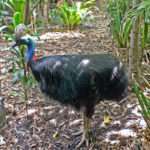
{"x": 71, "y": 16}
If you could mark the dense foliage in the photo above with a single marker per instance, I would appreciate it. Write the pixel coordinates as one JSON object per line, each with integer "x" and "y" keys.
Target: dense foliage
{"x": 122, "y": 16}
{"x": 120, "y": 27}
{"x": 142, "y": 10}
{"x": 13, "y": 11}
{"x": 144, "y": 102}
{"x": 71, "y": 16}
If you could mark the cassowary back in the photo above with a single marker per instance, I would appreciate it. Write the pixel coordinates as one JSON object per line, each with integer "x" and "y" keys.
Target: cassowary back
{"x": 80, "y": 80}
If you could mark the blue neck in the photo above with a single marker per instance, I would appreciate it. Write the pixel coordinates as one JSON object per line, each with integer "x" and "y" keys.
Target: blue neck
{"x": 30, "y": 51}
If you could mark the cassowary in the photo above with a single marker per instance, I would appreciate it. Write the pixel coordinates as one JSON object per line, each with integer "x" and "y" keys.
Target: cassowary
{"x": 78, "y": 80}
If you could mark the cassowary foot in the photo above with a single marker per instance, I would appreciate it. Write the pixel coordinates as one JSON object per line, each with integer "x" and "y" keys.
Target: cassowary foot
{"x": 86, "y": 139}
{"x": 83, "y": 140}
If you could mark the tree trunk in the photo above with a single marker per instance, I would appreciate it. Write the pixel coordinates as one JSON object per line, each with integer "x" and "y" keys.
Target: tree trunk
{"x": 27, "y": 12}
{"x": 135, "y": 50}
{"x": 45, "y": 12}
{"x": 100, "y": 4}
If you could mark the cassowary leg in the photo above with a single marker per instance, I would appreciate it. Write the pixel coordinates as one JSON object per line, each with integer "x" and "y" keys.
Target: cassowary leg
{"x": 87, "y": 136}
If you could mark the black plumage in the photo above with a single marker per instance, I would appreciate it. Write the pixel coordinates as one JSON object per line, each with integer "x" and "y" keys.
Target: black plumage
{"x": 78, "y": 80}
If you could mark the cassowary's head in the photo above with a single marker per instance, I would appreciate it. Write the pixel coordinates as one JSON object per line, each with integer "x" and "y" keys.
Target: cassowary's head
{"x": 24, "y": 40}
{"x": 29, "y": 42}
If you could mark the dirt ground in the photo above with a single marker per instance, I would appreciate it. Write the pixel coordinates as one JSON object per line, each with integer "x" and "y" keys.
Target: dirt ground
{"x": 49, "y": 125}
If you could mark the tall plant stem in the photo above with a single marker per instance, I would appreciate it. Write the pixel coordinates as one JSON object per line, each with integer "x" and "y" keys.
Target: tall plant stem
{"x": 25, "y": 79}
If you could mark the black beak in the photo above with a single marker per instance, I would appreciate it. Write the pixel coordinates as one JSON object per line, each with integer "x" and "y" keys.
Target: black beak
{"x": 14, "y": 45}
{"x": 17, "y": 43}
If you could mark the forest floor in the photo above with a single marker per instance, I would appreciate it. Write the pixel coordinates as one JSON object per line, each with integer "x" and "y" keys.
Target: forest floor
{"x": 49, "y": 126}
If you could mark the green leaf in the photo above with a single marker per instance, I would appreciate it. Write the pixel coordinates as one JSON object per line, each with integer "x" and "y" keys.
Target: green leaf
{"x": 143, "y": 101}
{"x": 18, "y": 75}
{"x": 17, "y": 18}
{"x": 126, "y": 30}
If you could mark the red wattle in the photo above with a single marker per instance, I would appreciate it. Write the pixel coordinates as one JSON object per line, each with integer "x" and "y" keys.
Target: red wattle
{"x": 34, "y": 58}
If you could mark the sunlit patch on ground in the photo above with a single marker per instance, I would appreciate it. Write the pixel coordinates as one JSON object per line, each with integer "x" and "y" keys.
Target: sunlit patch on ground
{"x": 61, "y": 35}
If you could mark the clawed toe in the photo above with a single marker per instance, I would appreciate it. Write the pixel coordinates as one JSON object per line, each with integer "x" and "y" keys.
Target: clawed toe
{"x": 86, "y": 139}
{"x": 83, "y": 140}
